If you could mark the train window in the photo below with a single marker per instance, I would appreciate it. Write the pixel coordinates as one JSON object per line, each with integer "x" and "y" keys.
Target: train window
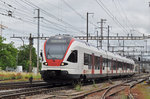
{"x": 73, "y": 57}
{"x": 97, "y": 63}
{"x": 114, "y": 65}
{"x": 124, "y": 66}
{"x": 117, "y": 64}
{"x": 128, "y": 66}
{"x": 90, "y": 62}
{"x": 120, "y": 65}
{"x": 86, "y": 59}
{"x": 132, "y": 67}
{"x": 103, "y": 68}
{"x": 109, "y": 63}
{"x": 104, "y": 61}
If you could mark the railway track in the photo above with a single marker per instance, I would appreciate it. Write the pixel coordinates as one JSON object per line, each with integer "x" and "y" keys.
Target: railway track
{"x": 19, "y": 83}
{"x": 130, "y": 95}
{"x": 15, "y": 85}
{"x": 107, "y": 92}
{"x": 23, "y": 92}
{"x": 114, "y": 90}
{"x": 61, "y": 90}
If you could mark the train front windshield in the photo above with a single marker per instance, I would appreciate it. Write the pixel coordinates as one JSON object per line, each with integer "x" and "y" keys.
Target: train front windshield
{"x": 56, "y": 48}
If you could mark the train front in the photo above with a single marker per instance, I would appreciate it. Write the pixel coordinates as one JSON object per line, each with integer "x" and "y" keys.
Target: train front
{"x": 55, "y": 54}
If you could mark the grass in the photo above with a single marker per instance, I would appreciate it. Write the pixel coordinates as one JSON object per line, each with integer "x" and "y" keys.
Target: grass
{"x": 145, "y": 89}
{"x": 123, "y": 96}
{"x": 78, "y": 87}
{"x": 18, "y": 76}
{"x": 94, "y": 85}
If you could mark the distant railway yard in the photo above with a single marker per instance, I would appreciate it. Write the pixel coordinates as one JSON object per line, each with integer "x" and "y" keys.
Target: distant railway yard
{"x": 135, "y": 87}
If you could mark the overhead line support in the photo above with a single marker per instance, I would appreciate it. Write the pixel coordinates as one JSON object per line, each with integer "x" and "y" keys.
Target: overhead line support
{"x": 87, "y": 25}
{"x": 38, "y": 34}
{"x": 101, "y": 27}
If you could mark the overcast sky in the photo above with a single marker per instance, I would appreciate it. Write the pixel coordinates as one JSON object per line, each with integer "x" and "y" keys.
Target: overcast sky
{"x": 69, "y": 17}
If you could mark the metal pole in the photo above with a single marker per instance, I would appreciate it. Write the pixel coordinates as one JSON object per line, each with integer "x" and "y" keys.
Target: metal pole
{"x": 30, "y": 54}
{"x": 97, "y": 39}
{"x": 101, "y": 32}
{"x": 101, "y": 27}
{"x": 38, "y": 31}
{"x": 123, "y": 47}
{"x": 108, "y": 39}
{"x": 1, "y": 28}
{"x": 146, "y": 45}
{"x": 87, "y": 29}
{"x": 87, "y": 26}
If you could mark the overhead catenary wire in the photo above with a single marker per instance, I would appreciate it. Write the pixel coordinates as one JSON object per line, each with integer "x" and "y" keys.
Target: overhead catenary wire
{"x": 121, "y": 15}
{"x": 109, "y": 13}
{"x": 78, "y": 13}
{"x": 7, "y": 4}
{"x": 25, "y": 15}
{"x": 20, "y": 11}
{"x": 123, "y": 11}
{"x": 29, "y": 20}
{"x": 52, "y": 16}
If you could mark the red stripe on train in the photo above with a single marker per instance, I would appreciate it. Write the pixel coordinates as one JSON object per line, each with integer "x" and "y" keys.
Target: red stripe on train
{"x": 93, "y": 62}
{"x": 101, "y": 64}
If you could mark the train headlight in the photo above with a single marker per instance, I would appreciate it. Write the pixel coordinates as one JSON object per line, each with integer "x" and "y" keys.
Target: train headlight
{"x": 63, "y": 64}
{"x": 45, "y": 63}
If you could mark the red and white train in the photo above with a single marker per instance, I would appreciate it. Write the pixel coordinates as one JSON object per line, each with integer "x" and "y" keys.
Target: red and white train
{"x": 65, "y": 57}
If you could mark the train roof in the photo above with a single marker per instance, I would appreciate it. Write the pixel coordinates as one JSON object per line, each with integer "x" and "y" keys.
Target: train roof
{"x": 107, "y": 54}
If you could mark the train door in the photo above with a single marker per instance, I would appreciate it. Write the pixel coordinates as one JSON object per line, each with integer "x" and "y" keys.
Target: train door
{"x": 86, "y": 62}
{"x": 80, "y": 60}
{"x": 73, "y": 59}
{"x": 104, "y": 68}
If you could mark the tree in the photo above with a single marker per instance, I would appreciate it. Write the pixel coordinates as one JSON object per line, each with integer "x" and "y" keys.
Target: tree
{"x": 23, "y": 57}
{"x": 8, "y": 54}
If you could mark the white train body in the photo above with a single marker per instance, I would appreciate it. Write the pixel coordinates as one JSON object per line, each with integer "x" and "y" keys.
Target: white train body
{"x": 80, "y": 60}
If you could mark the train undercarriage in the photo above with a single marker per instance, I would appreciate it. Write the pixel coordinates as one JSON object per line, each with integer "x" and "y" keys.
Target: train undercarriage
{"x": 53, "y": 76}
